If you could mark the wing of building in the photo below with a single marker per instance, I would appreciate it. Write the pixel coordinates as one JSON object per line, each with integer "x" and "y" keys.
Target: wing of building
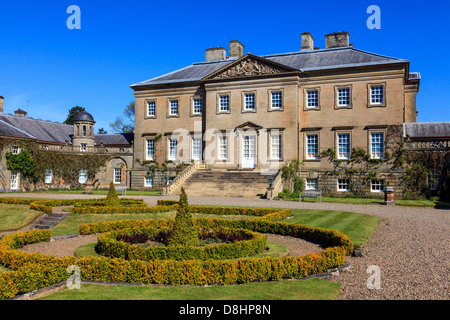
{"x": 17, "y": 131}
{"x": 246, "y": 112}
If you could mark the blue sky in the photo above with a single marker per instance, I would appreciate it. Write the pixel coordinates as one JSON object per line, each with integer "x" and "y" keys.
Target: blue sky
{"x": 124, "y": 42}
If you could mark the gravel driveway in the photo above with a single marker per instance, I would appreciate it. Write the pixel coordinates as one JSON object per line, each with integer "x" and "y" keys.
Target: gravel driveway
{"x": 411, "y": 247}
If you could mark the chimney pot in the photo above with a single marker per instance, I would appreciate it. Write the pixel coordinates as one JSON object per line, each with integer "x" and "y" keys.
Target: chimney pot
{"x": 337, "y": 40}
{"x": 236, "y": 49}
{"x": 215, "y": 54}
{"x": 307, "y": 41}
{"x": 1, "y": 103}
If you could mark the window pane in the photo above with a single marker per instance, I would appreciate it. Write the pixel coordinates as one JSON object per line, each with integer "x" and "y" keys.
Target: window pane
{"x": 198, "y": 104}
{"x": 276, "y": 143}
{"x": 149, "y": 182}
{"x": 151, "y": 111}
{"x": 344, "y": 97}
{"x": 196, "y": 149}
{"x": 344, "y": 146}
{"x": 312, "y": 146}
{"x": 83, "y": 176}
{"x": 343, "y": 185}
{"x": 250, "y": 101}
{"x": 377, "y": 186}
{"x": 173, "y": 152}
{"x": 48, "y": 176}
{"x": 313, "y": 99}
{"x": 174, "y": 107}
{"x": 277, "y": 100}
{"x": 223, "y": 148}
{"x": 433, "y": 179}
{"x": 117, "y": 175}
{"x": 150, "y": 150}
{"x": 377, "y": 145}
{"x": 224, "y": 103}
{"x": 377, "y": 94}
{"x": 312, "y": 184}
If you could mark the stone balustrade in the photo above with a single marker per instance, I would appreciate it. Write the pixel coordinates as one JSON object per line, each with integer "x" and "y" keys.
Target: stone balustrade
{"x": 78, "y": 149}
{"x": 428, "y": 145}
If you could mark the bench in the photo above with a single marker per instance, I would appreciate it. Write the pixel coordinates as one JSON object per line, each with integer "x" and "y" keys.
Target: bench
{"x": 122, "y": 189}
{"x": 311, "y": 194}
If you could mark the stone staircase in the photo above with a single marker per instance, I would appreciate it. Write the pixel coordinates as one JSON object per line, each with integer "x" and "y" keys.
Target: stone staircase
{"x": 49, "y": 221}
{"x": 226, "y": 183}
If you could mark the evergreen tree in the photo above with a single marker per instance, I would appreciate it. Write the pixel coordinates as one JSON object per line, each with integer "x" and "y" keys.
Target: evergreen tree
{"x": 112, "y": 199}
{"x": 184, "y": 231}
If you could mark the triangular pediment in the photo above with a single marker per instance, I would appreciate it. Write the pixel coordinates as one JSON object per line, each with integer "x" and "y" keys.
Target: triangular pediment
{"x": 250, "y": 66}
{"x": 248, "y": 125}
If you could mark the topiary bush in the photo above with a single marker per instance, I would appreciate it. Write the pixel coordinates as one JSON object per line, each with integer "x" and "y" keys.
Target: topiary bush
{"x": 184, "y": 233}
{"x": 112, "y": 199}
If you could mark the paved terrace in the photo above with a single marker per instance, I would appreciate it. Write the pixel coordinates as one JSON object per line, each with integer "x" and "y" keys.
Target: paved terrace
{"x": 411, "y": 246}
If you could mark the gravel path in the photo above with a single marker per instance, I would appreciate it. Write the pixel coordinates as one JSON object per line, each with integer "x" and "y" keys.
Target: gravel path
{"x": 411, "y": 247}
{"x": 60, "y": 248}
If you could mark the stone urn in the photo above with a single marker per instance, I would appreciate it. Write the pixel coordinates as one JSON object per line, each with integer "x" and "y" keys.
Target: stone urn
{"x": 88, "y": 188}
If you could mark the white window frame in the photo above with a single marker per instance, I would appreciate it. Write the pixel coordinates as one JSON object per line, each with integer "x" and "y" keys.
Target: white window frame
{"x": 197, "y": 106}
{"x": 309, "y": 155}
{"x": 83, "y": 147}
{"x": 276, "y": 146}
{"x": 117, "y": 175}
{"x": 377, "y": 154}
{"x": 224, "y": 103}
{"x": 148, "y": 182}
{"x": 222, "y": 147}
{"x": 377, "y": 96}
{"x": 312, "y": 184}
{"x": 347, "y": 97}
{"x": 174, "y": 106}
{"x": 315, "y": 99}
{"x": 82, "y": 178}
{"x": 343, "y": 185}
{"x": 150, "y": 150}
{"x": 196, "y": 149}
{"x": 15, "y": 150}
{"x": 276, "y": 103}
{"x": 48, "y": 176}
{"x": 377, "y": 186}
{"x": 173, "y": 150}
{"x": 151, "y": 111}
{"x": 433, "y": 179}
{"x": 345, "y": 155}
{"x": 250, "y": 101}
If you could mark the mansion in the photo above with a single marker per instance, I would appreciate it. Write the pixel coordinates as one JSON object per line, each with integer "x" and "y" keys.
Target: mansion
{"x": 228, "y": 125}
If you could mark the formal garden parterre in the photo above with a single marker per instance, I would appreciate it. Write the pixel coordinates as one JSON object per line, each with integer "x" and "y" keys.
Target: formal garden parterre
{"x": 225, "y": 261}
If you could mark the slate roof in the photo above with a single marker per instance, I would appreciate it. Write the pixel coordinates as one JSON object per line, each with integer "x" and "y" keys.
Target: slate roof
{"x": 307, "y": 60}
{"x": 423, "y": 130}
{"x": 53, "y": 132}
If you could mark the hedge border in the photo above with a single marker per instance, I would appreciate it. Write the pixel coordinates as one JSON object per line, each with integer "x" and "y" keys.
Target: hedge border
{"x": 109, "y": 246}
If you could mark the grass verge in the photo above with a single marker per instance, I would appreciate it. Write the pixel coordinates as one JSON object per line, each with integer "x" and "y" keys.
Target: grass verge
{"x": 14, "y": 217}
{"x": 311, "y": 289}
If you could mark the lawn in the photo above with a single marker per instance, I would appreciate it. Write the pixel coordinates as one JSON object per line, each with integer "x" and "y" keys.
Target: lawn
{"x": 420, "y": 202}
{"x": 359, "y": 227}
{"x": 14, "y": 217}
{"x": 312, "y": 289}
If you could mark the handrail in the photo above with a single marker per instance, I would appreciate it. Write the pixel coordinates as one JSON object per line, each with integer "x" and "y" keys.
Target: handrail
{"x": 182, "y": 177}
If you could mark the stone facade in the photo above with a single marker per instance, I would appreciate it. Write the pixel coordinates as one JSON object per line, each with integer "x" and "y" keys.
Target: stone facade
{"x": 274, "y": 103}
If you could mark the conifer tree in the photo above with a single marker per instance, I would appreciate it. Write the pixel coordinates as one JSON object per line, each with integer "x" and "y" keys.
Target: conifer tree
{"x": 184, "y": 231}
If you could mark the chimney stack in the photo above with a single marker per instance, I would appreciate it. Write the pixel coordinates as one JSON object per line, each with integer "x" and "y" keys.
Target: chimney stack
{"x": 1, "y": 103}
{"x": 337, "y": 40}
{"x": 307, "y": 41}
{"x": 215, "y": 54}
{"x": 20, "y": 113}
{"x": 236, "y": 49}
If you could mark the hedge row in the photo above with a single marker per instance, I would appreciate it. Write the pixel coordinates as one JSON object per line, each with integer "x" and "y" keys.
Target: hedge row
{"x": 119, "y": 209}
{"x": 109, "y": 246}
{"x": 324, "y": 237}
{"x": 35, "y": 271}
{"x": 103, "y": 202}
{"x": 32, "y": 271}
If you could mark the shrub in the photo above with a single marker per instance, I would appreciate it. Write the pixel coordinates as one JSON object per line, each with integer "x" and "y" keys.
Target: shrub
{"x": 184, "y": 230}
{"x": 112, "y": 199}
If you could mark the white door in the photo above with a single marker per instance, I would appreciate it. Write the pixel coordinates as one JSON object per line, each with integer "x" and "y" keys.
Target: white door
{"x": 248, "y": 152}
{"x": 14, "y": 180}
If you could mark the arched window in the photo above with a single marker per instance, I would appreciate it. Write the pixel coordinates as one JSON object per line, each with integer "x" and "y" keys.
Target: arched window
{"x": 84, "y": 131}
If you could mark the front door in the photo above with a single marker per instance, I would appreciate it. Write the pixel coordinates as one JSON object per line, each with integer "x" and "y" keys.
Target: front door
{"x": 14, "y": 180}
{"x": 248, "y": 152}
